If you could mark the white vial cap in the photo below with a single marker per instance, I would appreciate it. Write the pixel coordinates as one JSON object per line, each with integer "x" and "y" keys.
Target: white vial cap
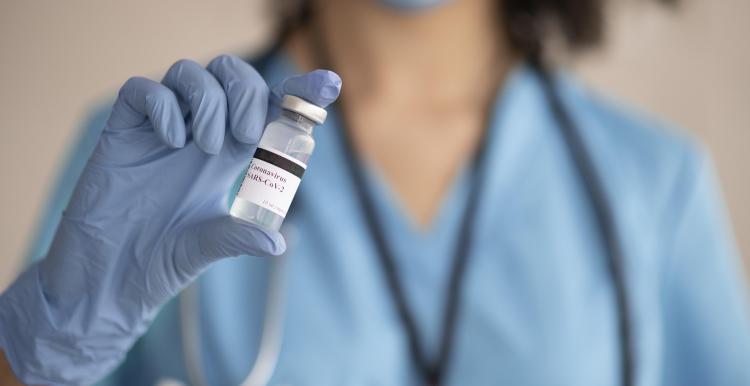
{"x": 304, "y": 108}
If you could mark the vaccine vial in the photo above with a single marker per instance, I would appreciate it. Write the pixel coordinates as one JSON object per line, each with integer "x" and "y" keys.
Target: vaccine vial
{"x": 278, "y": 164}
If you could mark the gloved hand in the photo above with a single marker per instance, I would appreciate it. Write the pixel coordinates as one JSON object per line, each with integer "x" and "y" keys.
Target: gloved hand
{"x": 149, "y": 213}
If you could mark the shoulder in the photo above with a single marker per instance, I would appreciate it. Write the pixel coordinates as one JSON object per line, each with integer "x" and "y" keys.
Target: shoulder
{"x": 639, "y": 138}
{"x": 648, "y": 166}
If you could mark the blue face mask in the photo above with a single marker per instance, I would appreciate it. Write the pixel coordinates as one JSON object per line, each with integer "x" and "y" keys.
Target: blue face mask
{"x": 412, "y": 5}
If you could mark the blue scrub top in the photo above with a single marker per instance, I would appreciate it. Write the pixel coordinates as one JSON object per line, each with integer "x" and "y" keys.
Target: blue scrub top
{"x": 538, "y": 304}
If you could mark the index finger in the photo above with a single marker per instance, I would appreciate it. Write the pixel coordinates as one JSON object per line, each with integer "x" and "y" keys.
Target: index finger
{"x": 320, "y": 87}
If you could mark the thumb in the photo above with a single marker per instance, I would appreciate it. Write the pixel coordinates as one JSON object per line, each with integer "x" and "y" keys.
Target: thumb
{"x": 193, "y": 249}
{"x": 220, "y": 237}
{"x": 227, "y": 236}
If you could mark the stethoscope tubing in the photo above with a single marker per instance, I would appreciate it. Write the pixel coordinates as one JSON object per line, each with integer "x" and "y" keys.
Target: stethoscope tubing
{"x": 271, "y": 336}
{"x": 604, "y": 217}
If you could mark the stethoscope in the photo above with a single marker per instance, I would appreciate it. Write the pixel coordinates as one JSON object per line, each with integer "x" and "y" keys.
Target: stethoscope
{"x": 432, "y": 373}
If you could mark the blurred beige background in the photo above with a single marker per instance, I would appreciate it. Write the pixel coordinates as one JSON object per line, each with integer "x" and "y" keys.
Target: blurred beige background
{"x": 690, "y": 66}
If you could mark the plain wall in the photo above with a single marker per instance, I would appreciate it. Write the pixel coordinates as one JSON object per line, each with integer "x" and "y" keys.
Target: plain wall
{"x": 60, "y": 58}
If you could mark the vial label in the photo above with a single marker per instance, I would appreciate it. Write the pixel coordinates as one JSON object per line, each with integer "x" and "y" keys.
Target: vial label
{"x": 272, "y": 180}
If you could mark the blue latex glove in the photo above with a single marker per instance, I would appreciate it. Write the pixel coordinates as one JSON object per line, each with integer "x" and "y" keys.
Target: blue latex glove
{"x": 149, "y": 213}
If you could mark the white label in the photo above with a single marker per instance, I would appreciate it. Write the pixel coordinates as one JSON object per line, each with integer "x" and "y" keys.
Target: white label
{"x": 272, "y": 180}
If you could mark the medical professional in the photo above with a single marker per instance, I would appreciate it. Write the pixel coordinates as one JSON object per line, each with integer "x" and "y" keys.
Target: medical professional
{"x": 470, "y": 217}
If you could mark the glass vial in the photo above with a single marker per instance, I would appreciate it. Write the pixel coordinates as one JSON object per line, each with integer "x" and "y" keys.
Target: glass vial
{"x": 277, "y": 166}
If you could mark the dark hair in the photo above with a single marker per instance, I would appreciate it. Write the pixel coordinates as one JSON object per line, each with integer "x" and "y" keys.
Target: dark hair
{"x": 580, "y": 23}
{"x": 528, "y": 23}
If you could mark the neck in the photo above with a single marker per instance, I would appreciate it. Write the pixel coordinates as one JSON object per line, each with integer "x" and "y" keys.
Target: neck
{"x": 452, "y": 55}
{"x": 417, "y": 86}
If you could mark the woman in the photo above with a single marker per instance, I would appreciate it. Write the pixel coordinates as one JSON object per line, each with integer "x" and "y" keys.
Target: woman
{"x": 469, "y": 217}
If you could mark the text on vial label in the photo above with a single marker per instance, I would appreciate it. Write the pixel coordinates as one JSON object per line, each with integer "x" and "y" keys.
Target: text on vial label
{"x": 272, "y": 180}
